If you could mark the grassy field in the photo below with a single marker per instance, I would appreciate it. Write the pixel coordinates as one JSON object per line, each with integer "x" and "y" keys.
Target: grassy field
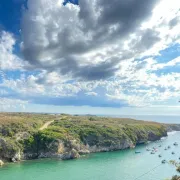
{"x": 12, "y": 123}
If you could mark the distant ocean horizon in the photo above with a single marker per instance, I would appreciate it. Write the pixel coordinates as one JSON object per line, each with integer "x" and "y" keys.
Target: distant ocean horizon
{"x": 170, "y": 119}
{"x": 157, "y": 118}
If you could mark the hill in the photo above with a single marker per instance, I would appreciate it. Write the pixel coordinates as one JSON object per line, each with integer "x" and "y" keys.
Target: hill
{"x": 29, "y": 136}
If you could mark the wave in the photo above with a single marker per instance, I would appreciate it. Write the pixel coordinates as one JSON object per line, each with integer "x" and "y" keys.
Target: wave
{"x": 172, "y": 133}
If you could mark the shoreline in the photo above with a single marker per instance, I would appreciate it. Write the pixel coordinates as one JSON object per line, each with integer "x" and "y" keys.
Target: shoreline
{"x": 85, "y": 155}
{"x": 69, "y": 137}
{"x": 49, "y": 159}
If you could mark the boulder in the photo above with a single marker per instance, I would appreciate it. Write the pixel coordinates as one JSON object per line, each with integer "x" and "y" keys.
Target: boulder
{"x": 22, "y": 135}
{"x": 73, "y": 154}
{"x": 1, "y": 163}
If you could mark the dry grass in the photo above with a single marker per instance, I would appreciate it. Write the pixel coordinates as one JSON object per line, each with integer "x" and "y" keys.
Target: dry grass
{"x": 8, "y": 118}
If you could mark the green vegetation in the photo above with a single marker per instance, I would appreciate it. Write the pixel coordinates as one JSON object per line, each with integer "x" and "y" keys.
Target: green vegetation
{"x": 176, "y": 177}
{"x": 177, "y": 165}
{"x": 12, "y": 123}
{"x": 178, "y": 169}
{"x": 23, "y": 131}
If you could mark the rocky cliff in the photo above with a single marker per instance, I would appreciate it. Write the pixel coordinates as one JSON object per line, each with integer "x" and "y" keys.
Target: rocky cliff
{"x": 68, "y": 137}
{"x": 172, "y": 127}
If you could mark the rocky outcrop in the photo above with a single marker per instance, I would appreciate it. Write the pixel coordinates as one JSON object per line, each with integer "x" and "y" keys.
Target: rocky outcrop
{"x": 55, "y": 149}
{"x": 156, "y": 137}
{"x": 71, "y": 149}
{"x": 9, "y": 151}
{"x": 1, "y": 163}
{"x": 54, "y": 144}
{"x": 125, "y": 143}
{"x": 112, "y": 145}
{"x": 72, "y": 154}
{"x": 22, "y": 135}
{"x": 172, "y": 127}
{"x": 17, "y": 156}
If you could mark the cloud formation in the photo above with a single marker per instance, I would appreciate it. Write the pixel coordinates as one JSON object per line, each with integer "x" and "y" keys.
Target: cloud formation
{"x": 99, "y": 53}
{"x": 8, "y": 60}
{"x": 15, "y": 104}
{"x": 62, "y": 38}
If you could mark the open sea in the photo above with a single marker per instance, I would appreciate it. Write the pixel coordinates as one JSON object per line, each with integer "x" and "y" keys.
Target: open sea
{"x": 119, "y": 165}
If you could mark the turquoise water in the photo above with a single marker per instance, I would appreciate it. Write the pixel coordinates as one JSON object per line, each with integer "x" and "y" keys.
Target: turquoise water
{"x": 119, "y": 165}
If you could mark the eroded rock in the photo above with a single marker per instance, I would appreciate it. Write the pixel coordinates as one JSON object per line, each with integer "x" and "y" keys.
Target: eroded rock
{"x": 1, "y": 163}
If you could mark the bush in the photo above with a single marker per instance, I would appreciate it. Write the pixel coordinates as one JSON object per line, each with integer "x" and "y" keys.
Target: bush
{"x": 178, "y": 169}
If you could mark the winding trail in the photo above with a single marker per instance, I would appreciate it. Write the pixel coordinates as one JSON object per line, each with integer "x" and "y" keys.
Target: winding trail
{"x": 45, "y": 126}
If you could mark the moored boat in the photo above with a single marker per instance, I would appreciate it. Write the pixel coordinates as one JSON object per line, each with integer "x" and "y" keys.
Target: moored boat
{"x": 148, "y": 149}
{"x": 137, "y": 152}
{"x": 152, "y": 152}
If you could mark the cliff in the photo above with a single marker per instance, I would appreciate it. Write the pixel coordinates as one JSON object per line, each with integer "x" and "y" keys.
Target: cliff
{"x": 172, "y": 127}
{"x": 68, "y": 137}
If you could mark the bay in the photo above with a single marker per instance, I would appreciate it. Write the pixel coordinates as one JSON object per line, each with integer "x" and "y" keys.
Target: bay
{"x": 119, "y": 165}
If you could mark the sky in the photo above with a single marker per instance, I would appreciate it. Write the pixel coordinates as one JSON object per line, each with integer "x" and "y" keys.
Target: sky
{"x": 90, "y": 56}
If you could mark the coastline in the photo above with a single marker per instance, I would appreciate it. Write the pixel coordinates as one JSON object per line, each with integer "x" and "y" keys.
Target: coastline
{"x": 99, "y": 165}
{"x": 86, "y": 135}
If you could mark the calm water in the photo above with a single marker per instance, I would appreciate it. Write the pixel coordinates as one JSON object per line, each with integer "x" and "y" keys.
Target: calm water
{"x": 119, "y": 165}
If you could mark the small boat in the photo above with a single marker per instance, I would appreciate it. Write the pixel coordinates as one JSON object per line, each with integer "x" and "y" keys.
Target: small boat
{"x": 137, "y": 152}
{"x": 160, "y": 155}
{"x": 173, "y": 152}
{"x": 175, "y": 144}
{"x": 169, "y": 147}
{"x": 148, "y": 149}
{"x": 163, "y": 161}
{"x": 152, "y": 152}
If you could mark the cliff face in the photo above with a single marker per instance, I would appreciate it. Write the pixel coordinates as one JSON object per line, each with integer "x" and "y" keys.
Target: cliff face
{"x": 172, "y": 127}
{"x": 70, "y": 149}
{"x": 40, "y": 145}
{"x": 68, "y": 137}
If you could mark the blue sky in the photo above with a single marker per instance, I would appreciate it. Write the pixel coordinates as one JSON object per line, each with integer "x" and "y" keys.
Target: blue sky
{"x": 99, "y": 57}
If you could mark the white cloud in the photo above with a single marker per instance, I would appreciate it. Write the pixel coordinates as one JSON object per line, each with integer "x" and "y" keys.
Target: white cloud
{"x": 24, "y": 85}
{"x": 76, "y": 53}
{"x": 68, "y": 39}
{"x": 136, "y": 88}
{"x": 12, "y": 104}
{"x": 8, "y": 60}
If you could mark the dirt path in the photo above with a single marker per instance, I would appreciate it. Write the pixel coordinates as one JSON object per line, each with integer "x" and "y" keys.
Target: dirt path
{"x": 45, "y": 126}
